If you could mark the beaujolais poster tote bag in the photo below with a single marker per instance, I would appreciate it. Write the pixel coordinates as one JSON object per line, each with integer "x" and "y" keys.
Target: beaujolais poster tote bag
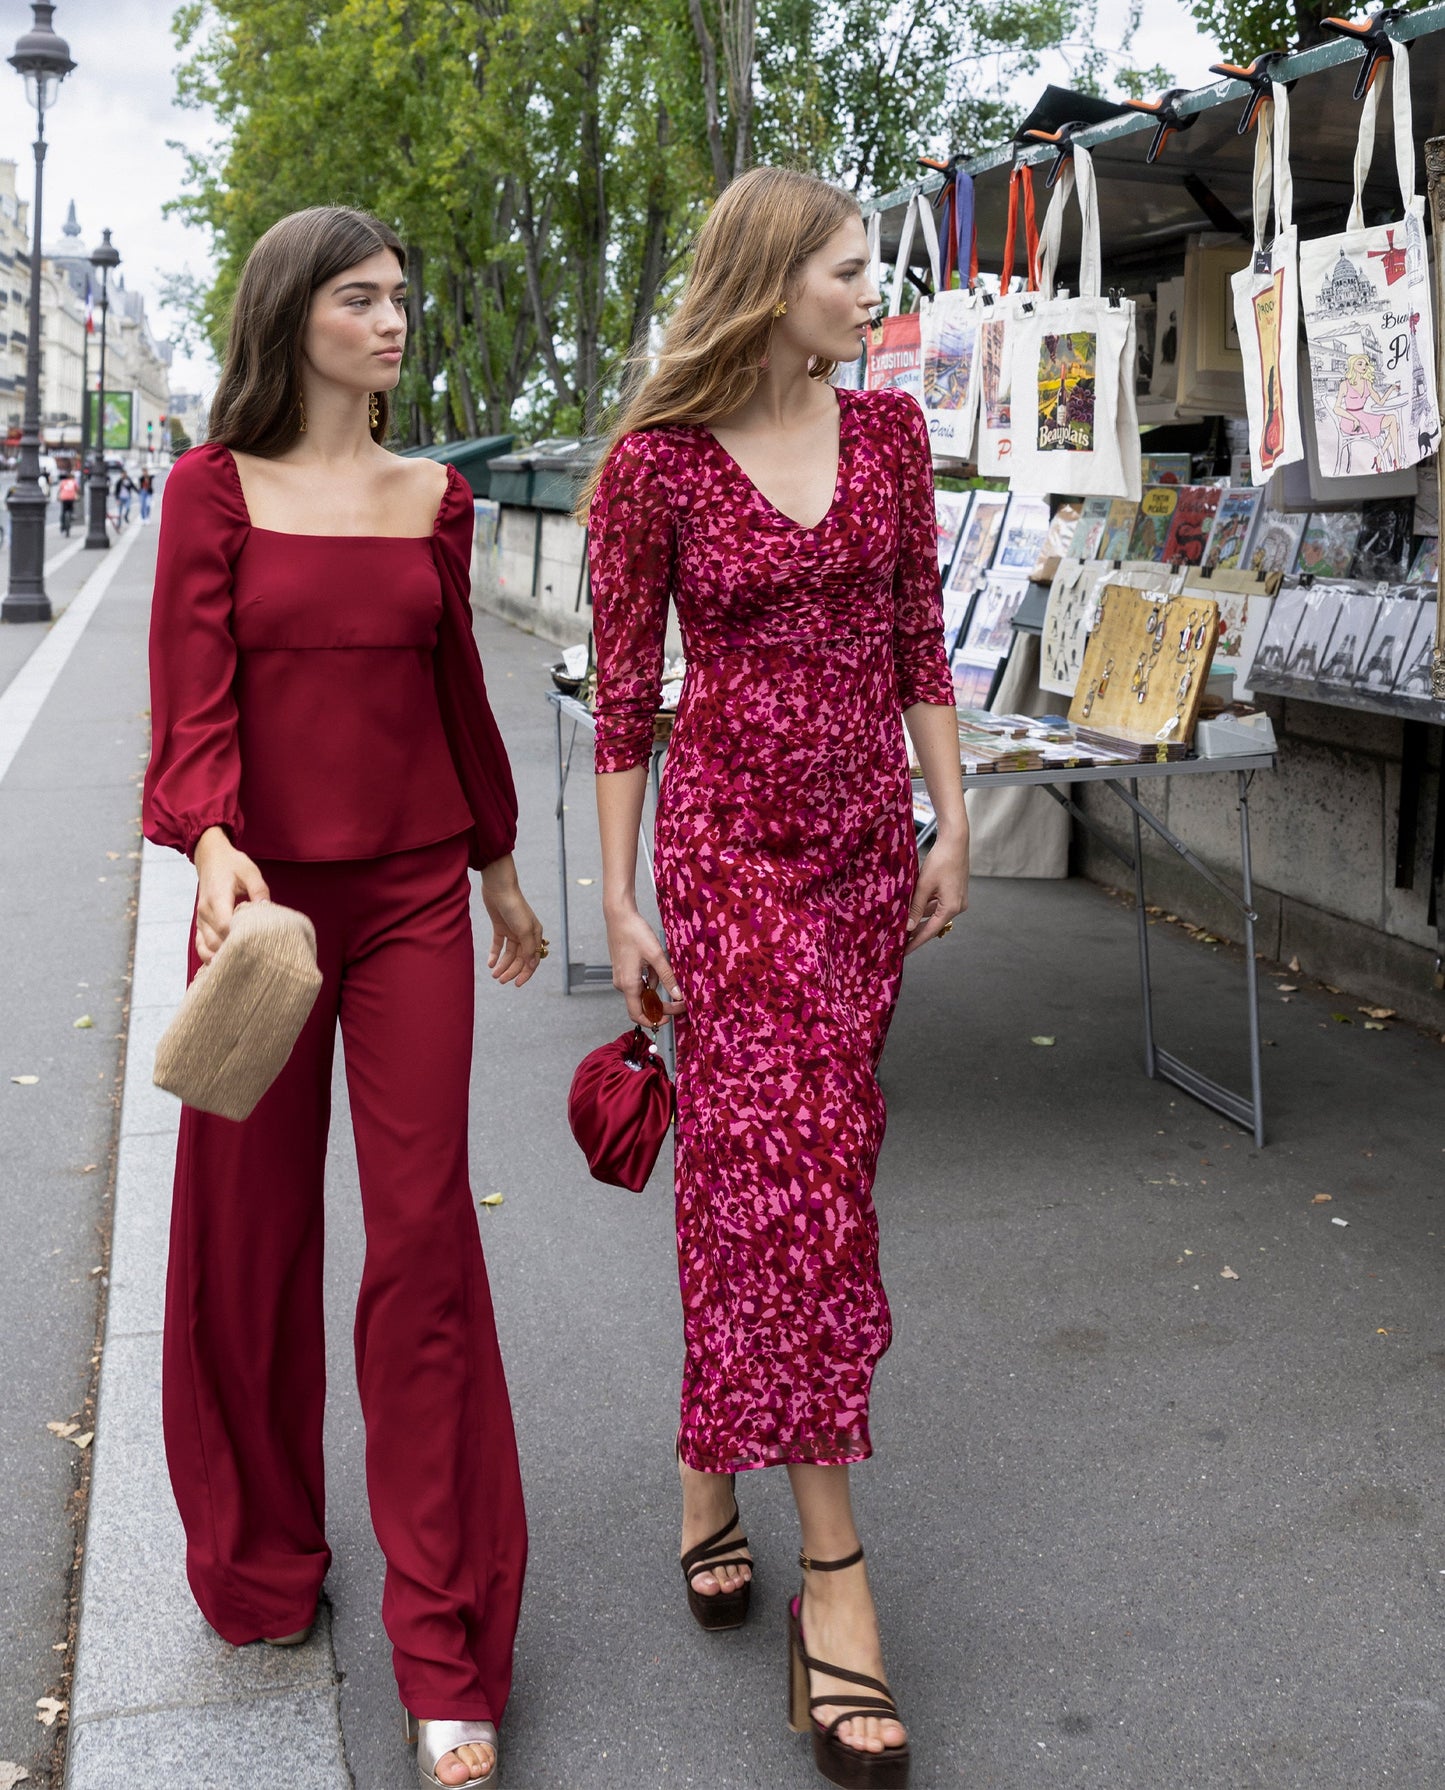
{"x": 1075, "y": 419}
{"x": 949, "y": 324}
{"x": 1366, "y": 300}
{"x": 995, "y": 432}
{"x": 1266, "y": 303}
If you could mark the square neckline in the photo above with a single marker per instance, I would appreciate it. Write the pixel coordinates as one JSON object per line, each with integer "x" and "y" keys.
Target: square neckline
{"x": 286, "y": 534}
{"x": 792, "y": 525}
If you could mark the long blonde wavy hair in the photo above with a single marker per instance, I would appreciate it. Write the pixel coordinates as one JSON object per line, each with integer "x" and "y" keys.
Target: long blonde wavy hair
{"x": 748, "y": 254}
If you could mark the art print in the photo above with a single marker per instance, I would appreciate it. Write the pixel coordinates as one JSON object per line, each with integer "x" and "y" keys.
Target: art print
{"x": 1278, "y": 637}
{"x": 1350, "y": 638}
{"x": 1266, "y": 307}
{"x": 1276, "y": 540}
{"x": 1396, "y": 618}
{"x": 1024, "y": 534}
{"x": 1068, "y": 621}
{"x": 1233, "y": 525}
{"x": 992, "y": 351}
{"x": 1068, "y": 366}
{"x": 975, "y": 551}
{"x": 1414, "y": 678}
{"x": 1327, "y": 547}
{"x": 1311, "y": 644}
{"x": 1155, "y": 518}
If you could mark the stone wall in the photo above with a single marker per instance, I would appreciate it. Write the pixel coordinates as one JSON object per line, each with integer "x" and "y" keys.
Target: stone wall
{"x": 1324, "y": 829}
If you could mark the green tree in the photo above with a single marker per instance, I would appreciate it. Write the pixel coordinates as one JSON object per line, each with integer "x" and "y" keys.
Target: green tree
{"x": 1244, "y": 29}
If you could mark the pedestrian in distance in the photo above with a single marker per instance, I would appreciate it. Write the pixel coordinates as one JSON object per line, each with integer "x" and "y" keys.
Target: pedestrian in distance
{"x": 67, "y": 492}
{"x": 146, "y": 485}
{"x": 793, "y": 527}
{"x": 323, "y": 738}
{"x": 123, "y": 492}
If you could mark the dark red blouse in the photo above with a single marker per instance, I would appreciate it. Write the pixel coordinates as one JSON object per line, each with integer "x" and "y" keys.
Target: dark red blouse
{"x": 319, "y": 696}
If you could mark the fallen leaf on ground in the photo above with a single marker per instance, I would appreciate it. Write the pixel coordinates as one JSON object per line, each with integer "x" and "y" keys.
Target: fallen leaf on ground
{"x": 1377, "y": 1012}
{"x": 490, "y": 1199}
{"x": 25, "y": 1081}
{"x": 1288, "y": 987}
{"x": 90, "y": 1168}
{"x": 1374, "y": 1025}
{"x": 84, "y": 1024}
{"x": 82, "y": 1441}
{"x": 1293, "y": 966}
{"x": 585, "y": 881}
{"x": 112, "y": 855}
{"x": 1382, "y": 1333}
{"x": 1342, "y": 1222}
{"x": 1322, "y": 1199}
{"x": 1342, "y": 1019}
{"x": 1228, "y": 1274}
{"x": 47, "y": 1708}
{"x": 62, "y": 1429}
{"x": 1206, "y": 938}
{"x": 1041, "y": 1041}
{"x": 12, "y": 1774}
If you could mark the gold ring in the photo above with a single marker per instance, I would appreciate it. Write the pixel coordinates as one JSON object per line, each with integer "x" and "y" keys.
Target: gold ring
{"x": 543, "y": 951}
{"x": 945, "y": 929}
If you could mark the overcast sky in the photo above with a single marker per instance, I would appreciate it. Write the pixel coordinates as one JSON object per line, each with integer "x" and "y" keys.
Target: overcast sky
{"x": 108, "y": 134}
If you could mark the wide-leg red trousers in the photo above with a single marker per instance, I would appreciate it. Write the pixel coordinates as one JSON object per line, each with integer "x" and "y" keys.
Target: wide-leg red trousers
{"x": 245, "y": 1362}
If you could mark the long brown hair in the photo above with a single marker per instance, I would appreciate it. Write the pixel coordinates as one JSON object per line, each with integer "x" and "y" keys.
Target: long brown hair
{"x": 257, "y": 406}
{"x": 747, "y": 258}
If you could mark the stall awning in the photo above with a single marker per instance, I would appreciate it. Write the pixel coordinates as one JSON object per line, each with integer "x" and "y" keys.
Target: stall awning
{"x": 1147, "y": 212}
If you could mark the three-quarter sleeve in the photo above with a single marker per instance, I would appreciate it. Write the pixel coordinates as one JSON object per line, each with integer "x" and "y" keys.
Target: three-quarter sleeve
{"x": 473, "y": 737}
{"x": 918, "y": 655}
{"x": 631, "y": 546}
{"x": 193, "y": 779}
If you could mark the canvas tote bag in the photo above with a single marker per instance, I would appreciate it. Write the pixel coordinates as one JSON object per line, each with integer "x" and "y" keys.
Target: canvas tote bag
{"x": 1075, "y": 420}
{"x": 895, "y": 346}
{"x": 1266, "y": 303}
{"x": 995, "y": 439}
{"x": 949, "y": 323}
{"x": 1366, "y": 300}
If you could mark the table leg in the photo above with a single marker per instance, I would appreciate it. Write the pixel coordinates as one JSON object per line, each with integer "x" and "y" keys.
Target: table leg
{"x": 1251, "y": 964}
{"x": 566, "y": 939}
{"x": 1146, "y": 986}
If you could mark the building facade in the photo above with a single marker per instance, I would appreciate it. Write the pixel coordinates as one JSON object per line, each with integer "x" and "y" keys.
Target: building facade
{"x": 14, "y": 297}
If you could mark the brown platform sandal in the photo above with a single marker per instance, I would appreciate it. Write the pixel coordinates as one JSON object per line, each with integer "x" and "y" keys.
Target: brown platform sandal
{"x": 838, "y": 1762}
{"x": 724, "y": 1609}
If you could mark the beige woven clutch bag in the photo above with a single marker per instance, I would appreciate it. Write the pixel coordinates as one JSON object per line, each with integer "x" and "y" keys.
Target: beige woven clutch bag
{"x": 243, "y": 1012}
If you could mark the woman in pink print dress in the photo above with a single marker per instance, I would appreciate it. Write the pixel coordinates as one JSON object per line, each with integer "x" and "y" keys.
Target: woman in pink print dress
{"x": 793, "y": 527}
{"x": 1358, "y": 392}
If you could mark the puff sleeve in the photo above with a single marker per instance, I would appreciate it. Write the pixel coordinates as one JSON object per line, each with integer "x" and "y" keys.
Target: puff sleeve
{"x": 473, "y": 737}
{"x": 918, "y": 655}
{"x": 193, "y": 779}
{"x": 631, "y": 548}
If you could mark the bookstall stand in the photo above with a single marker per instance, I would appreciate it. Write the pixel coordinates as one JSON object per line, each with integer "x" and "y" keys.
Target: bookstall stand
{"x": 1123, "y": 781}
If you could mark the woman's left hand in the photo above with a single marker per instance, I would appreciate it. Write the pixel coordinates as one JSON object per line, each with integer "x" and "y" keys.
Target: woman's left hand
{"x": 517, "y": 942}
{"x": 941, "y": 892}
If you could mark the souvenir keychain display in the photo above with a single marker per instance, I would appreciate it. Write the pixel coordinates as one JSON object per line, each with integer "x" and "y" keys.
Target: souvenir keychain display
{"x": 1146, "y": 665}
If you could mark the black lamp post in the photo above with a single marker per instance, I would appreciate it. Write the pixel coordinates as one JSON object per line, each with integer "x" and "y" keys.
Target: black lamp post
{"x": 44, "y": 60}
{"x": 97, "y": 487}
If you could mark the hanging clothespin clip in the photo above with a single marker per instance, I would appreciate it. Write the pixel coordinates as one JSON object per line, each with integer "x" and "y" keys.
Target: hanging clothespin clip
{"x": 1372, "y": 38}
{"x": 1257, "y": 77}
{"x": 1165, "y": 113}
{"x": 1062, "y": 141}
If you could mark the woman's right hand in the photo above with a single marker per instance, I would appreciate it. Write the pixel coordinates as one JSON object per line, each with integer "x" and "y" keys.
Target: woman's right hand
{"x": 638, "y": 962}
{"x": 225, "y": 876}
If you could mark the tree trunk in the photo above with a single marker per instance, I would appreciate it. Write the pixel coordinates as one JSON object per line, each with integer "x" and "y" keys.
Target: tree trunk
{"x": 740, "y": 43}
{"x": 707, "y": 51}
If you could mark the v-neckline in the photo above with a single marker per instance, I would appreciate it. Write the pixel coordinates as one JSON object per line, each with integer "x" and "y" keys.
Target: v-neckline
{"x": 793, "y": 525}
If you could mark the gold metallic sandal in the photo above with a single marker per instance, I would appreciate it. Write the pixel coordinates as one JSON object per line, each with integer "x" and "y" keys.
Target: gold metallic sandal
{"x": 841, "y": 1764}
{"x": 434, "y": 1740}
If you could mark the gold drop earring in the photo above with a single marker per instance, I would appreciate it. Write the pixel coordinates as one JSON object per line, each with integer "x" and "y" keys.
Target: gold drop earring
{"x": 303, "y": 415}
{"x": 374, "y": 410}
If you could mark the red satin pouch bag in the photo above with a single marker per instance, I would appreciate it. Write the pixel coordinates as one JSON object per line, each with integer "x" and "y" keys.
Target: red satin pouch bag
{"x": 620, "y": 1108}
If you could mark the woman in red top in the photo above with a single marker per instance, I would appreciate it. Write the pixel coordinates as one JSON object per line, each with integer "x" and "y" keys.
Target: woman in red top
{"x": 793, "y": 528}
{"x": 322, "y": 737}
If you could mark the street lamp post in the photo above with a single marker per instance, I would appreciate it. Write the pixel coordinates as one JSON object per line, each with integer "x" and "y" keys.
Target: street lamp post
{"x": 44, "y": 60}
{"x": 97, "y": 487}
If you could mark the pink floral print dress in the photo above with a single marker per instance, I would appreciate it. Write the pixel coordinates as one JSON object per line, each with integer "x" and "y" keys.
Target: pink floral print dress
{"x": 785, "y": 864}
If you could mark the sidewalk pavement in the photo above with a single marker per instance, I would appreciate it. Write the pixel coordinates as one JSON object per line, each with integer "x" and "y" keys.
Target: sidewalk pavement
{"x": 1156, "y": 1503}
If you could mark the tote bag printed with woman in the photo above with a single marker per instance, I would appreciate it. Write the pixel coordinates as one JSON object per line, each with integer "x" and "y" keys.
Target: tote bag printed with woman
{"x": 1366, "y": 299}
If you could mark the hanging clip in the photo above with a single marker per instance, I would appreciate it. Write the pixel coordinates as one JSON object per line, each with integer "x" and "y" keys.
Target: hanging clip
{"x": 1372, "y": 38}
{"x": 1062, "y": 142}
{"x": 1165, "y": 113}
{"x": 1257, "y": 78}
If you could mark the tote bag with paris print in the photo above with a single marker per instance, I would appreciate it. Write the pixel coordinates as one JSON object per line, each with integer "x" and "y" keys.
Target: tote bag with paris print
{"x": 1266, "y": 303}
{"x": 1071, "y": 392}
{"x": 949, "y": 324}
{"x": 895, "y": 346}
{"x": 1366, "y": 300}
{"x": 996, "y": 315}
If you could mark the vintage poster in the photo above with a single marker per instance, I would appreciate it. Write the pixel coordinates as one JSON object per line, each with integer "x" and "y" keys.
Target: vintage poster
{"x": 1190, "y": 524}
{"x": 1156, "y": 516}
{"x": 992, "y": 345}
{"x": 1233, "y": 525}
{"x": 1067, "y": 368}
{"x": 1119, "y": 530}
{"x": 1266, "y": 306}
